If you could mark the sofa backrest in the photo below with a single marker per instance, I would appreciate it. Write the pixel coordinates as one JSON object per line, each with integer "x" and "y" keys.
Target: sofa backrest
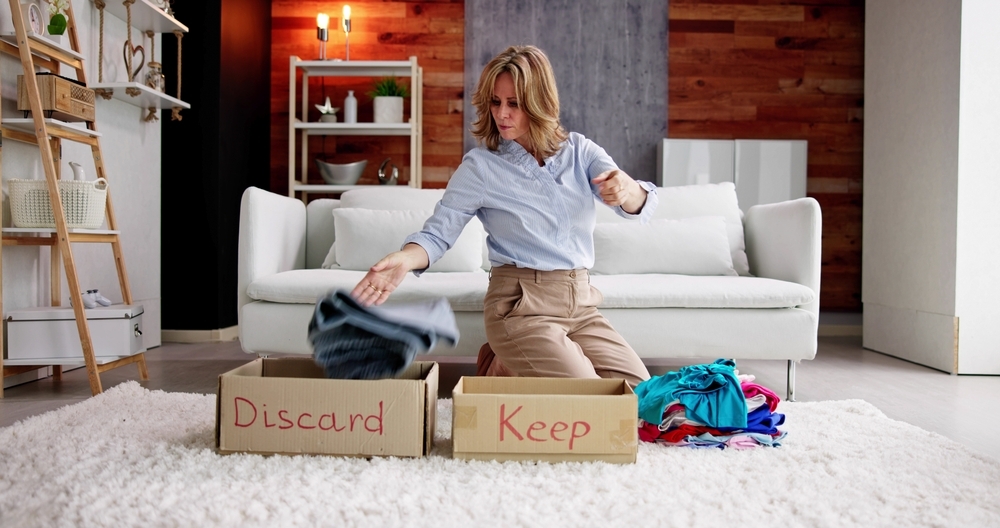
{"x": 674, "y": 203}
{"x": 321, "y": 228}
{"x": 691, "y": 201}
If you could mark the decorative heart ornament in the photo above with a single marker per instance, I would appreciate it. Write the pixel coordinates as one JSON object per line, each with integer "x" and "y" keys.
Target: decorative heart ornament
{"x": 137, "y": 50}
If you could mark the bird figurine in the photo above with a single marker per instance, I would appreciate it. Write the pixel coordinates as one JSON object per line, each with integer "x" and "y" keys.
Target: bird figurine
{"x": 327, "y": 111}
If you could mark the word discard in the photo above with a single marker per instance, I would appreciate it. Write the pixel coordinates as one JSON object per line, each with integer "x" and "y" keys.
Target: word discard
{"x": 247, "y": 415}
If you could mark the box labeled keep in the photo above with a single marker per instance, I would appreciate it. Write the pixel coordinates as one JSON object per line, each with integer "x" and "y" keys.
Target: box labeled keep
{"x": 548, "y": 419}
{"x": 288, "y": 406}
{"x": 49, "y": 334}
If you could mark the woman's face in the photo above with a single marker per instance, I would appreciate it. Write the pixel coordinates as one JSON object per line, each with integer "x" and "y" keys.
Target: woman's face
{"x": 511, "y": 121}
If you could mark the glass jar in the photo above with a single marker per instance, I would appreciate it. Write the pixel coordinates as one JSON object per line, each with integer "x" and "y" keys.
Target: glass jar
{"x": 154, "y": 77}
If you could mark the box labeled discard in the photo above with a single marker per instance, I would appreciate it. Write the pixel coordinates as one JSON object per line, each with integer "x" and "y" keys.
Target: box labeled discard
{"x": 549, "y": 419}
{"x": 288, "y": 406}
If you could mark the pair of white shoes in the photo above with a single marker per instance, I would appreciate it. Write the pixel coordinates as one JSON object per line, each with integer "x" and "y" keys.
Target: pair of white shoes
{"x": 92, "y": 298}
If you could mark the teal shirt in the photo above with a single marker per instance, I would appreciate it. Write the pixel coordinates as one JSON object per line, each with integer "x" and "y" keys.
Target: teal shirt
{"x": 710, "y": 393}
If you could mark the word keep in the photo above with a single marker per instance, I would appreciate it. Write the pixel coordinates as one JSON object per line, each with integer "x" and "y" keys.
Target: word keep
{"x": 541, "y": 431}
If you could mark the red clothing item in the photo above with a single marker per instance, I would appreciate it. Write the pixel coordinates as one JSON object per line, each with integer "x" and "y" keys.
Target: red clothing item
{"x": 651, "y": 433}
{"x": 751, "y": 389}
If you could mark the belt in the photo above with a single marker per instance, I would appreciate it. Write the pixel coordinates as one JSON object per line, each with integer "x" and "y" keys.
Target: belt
{"x": 541, "y": 275}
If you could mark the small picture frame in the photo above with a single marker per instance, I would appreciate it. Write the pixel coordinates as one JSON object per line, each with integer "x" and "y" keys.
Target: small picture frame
{"x": 34, "y": 21}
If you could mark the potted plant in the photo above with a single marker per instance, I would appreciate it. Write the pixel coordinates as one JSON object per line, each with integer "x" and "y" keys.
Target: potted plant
{"x": 57, "y": 20}
{"x": 387, "y": 95}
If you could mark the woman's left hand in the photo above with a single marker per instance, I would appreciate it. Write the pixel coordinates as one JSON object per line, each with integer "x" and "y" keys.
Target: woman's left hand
{"x": 618, "y": 188}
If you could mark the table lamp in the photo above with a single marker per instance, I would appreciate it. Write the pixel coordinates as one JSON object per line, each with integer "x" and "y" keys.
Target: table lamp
{"x": 347, "y": 31}
{"x": 322, "y": 25}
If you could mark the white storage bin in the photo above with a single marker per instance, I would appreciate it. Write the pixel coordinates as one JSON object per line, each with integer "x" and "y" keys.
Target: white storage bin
{"x": 84, "y": 203}
{"x": 49, "y": 335}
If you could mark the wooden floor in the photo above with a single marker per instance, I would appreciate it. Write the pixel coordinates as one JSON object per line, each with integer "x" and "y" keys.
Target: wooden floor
{"x": 959, "y": 407}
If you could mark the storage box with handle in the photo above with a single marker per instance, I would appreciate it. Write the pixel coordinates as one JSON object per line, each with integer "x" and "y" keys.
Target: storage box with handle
{"x": 83, "y": 203}
{"x": 48, "y": 334}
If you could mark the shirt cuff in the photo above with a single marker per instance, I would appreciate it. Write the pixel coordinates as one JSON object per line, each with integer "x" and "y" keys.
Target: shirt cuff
{"x": 418, "y": 239}
{"x": 646, "y": 213}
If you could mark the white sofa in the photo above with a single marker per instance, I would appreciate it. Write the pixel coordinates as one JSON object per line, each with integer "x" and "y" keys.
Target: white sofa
{"x": 772, "y": 314}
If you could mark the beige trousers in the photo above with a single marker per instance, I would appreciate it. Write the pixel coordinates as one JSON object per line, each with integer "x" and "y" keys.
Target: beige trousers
{"x": 546, "y": 324}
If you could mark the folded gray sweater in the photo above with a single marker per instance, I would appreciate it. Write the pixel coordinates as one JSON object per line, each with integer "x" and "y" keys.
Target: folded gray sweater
{"x": 351, "y": 341}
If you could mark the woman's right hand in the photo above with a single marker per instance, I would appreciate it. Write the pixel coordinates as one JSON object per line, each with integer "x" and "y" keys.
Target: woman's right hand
{"x": 383, "y": 278}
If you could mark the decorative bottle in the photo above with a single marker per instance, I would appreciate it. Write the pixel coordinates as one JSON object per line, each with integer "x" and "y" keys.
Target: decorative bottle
{"x": 350, "y": 108}
{"x": 78, "y": 173}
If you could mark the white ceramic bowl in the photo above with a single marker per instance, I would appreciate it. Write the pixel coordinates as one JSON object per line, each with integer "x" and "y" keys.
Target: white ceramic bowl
{"x": 341, "y": 173}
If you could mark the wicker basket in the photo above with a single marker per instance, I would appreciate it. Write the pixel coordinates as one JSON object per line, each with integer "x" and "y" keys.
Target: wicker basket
{"x": 83, "y": 203}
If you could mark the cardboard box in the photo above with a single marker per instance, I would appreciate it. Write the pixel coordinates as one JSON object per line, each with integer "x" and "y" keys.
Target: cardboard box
{"x": 545, "y": 419}
{"x": 49, "y": 335}
{"x": 288, "y": 406}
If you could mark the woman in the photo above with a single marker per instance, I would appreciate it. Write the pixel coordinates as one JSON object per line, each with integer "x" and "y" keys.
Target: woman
{"x": 533, "y": 186}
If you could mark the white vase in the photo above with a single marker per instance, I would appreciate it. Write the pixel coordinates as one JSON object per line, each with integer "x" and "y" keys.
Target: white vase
{"x": 388, "y": 109}
{"x": 350, "y": 108}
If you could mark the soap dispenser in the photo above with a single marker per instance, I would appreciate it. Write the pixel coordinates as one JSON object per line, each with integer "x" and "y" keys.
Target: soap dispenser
{"x": 350, "y": 108}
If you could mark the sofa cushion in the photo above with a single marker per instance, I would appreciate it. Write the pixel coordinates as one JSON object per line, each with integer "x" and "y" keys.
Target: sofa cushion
{"x": 717, "y": 199}
{"x": 382, "y": 198}
{"x": 689, "y": 246}
{"x": 465, "y": 291}
{"x": 363, "y": 236}
{"x": 685, "y": 291}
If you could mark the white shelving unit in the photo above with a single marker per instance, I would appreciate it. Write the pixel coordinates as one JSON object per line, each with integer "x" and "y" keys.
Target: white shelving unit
{"x": 300, "y": 129}
{"x": 27, "y": 125}
{"x": 146, "y": 16}
{"x": 147, "y": 97}
{"x": 11, "y": 38}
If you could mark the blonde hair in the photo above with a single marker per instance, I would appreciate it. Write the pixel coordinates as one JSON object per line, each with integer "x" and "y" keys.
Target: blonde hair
{"x": 537, "y": 96}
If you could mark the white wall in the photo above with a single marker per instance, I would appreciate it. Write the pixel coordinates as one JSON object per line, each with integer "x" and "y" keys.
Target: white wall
{"x": 978, "y": 280}
{"x": 131, "y": 149}
{"x": 930, "y": 144}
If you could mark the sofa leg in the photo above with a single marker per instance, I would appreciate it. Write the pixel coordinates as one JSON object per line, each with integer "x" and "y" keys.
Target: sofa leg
{"x": 791, "y": 381}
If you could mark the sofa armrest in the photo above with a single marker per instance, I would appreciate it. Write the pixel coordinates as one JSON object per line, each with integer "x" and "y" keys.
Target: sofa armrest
{"x": 784, "y": 242}
{"x": 272, "y": 238}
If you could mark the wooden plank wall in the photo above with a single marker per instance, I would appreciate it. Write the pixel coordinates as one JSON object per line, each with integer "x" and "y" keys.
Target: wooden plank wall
{"x": 433, "y": 31}
{"x": 756, "y": 69}
{"x": 782, "y": 69}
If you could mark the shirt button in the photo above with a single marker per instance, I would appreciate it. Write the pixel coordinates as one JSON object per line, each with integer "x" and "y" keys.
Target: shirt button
{"x": 572, "y": 274}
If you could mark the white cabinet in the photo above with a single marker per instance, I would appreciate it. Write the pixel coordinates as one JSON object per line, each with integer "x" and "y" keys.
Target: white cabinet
{"x": 694, "y": 161}
{"x": 764, "y": 170}
{"x": 300, "y": 129}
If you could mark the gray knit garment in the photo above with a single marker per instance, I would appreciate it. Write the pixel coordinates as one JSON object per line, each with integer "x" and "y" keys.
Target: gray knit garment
{"x": 351, "y": 341}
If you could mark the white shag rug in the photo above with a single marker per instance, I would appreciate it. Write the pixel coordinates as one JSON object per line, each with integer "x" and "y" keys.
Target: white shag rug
{"x": 133, "y": 457}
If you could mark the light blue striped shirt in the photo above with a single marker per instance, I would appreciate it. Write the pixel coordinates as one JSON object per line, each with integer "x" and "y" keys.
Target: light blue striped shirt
{"x": 535, "y": 217}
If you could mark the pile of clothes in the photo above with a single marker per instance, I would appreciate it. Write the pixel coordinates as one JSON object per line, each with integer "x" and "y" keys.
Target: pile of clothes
{"x": 709, "y": 405}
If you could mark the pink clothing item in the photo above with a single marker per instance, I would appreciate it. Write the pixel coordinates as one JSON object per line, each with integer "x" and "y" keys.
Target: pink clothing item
{"x": 752, "y": 389}
{"x": 742, "y": 442}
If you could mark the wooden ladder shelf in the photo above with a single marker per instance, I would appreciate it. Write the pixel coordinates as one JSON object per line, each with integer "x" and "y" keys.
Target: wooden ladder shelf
{"x": 35, "y": 54}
